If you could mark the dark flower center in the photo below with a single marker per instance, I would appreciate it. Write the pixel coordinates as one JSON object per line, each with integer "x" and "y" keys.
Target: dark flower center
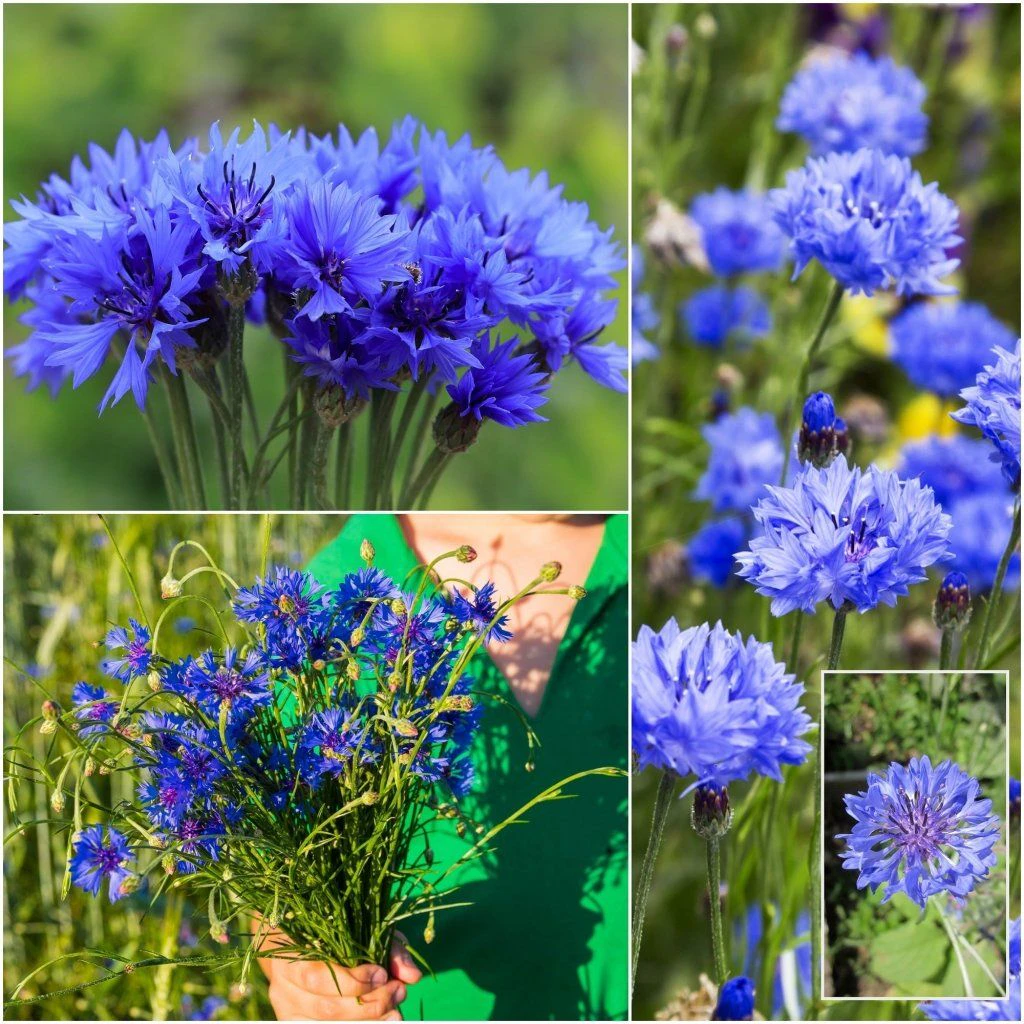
{"x": 110, "y": 859}
{"x": 236, "y": 207}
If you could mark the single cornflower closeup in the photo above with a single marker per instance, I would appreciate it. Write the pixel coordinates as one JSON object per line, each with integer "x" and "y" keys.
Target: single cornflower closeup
{"x": 738, "y": 233}
{"x": 710, "y": 704}
{"x": 102, "y": 855}
{"x": 840, "y": 103}
{"x": 870, "y": 221}
{"x": 746, "y": 455}
{"x": 842, "y": 534}
{"x": 922, "y": 831}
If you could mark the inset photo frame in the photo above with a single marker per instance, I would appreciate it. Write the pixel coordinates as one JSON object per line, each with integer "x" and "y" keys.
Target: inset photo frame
{"x": 915, "y": 811}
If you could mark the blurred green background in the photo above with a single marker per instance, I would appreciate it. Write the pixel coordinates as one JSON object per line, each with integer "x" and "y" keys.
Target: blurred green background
{"x": 706, "y": 94}
{"x": 545, "y": 84}
{"x": 64, "y": 585}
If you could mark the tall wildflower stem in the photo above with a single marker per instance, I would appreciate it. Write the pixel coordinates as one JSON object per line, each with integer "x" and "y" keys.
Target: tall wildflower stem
{"x": 236, "y": 396}
{"x": 321, "y": 447}
{"x": 164, "y": 460}
{"x": 957, "y": 952}
{"x": 714, "y": 864}
{"x": 997, "y": 589}
{"x": 662, "y": 805}
{"x": 185, "y": 439}
{"x": 827, "y": 316}
{"x": 946, "y": 655}
{"x": 834, "y": 651}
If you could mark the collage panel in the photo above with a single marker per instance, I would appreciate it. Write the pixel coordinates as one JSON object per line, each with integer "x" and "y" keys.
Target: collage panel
{"x": 826, "y": 475}
{"x": 301, "y": 767}
{"x": 336, "y": 256}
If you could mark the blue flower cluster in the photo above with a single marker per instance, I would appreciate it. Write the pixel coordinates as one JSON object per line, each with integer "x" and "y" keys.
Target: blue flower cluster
{"x": 840, "y": 103}
{"x": 714, "y": 314}
{"x": 376, "y": 687}
{"x": 993, "y": 406}
{"x": 844, "y": 535}
{"x": 870, "y": 221}
{"x": 372, "y": 262}
{"x": 710, "y": 704}
{"x": 943, "y": 346}
{"x": 920, "y": 830}
{"x": 973, "y": 491}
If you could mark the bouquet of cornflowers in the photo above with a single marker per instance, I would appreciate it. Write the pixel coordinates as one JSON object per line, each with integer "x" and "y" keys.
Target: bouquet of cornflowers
{"x": 420, "y": 279}
{"x": 294, "y": 775}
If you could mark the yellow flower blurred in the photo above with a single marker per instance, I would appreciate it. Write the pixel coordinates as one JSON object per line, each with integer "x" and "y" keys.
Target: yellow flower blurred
{"x": 923, "y": 416}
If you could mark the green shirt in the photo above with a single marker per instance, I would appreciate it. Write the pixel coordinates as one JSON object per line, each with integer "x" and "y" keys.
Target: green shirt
{"x": 546, "y": 935}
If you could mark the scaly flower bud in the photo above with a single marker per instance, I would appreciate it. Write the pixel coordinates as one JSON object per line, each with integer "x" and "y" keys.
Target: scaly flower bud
{"x": 51, "y": 710}
{"x": 817, "y": 440}
{"x": 550, "y": 571}
{"x": 711, "y": 815}
{"x": 952, "y": 608}
{"x": 57, "y": 801}
{"x": 466, "y": 554}
{"x": 357, "y": 637}
{"x": 453, "y": 432}
{"x": 577, "y": 593}
{"x": 367, "y": 552}
{"x": 170, "y": 587}
{"x": 154, "y": 681}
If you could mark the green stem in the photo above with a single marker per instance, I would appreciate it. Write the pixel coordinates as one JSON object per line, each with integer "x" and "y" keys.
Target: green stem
{"x": 291, "y": 373}
{"x": 662, "y": 804}
{"x": 307, "y": 426}
{"x": 715, "y": 900}
{"x": 416, "y": 393}
{"x": 321, "y": 446}
{"x": 164, "y": 459}
{"x": 964, "y": 976}
{"x": 382, "y": 406}
{"x": 236, "y": 397}
{"x": 433, "y": 464}
{"x": 343, "y": 467}
{"x": 423, "y": 425}
{"x": 828, "y": 313}
{"x": 181, "y": 418}
{"x": 997, "y": 588}
{"x": 946, "y": 654}
{"x": 794, "y": 645}
{"x": 428, "y": 490}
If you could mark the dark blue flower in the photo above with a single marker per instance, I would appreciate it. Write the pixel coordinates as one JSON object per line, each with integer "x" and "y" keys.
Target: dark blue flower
{"x": 572, "y": 335}
{"x": 871, "y": 223}
{"x": 841, "y": 103}
{"x": 993, "y": 406}
{"x": 94, "y": 708}
{"x": 710, "y": 704}
{"x": 713, "y": 314}
{"x": 230, "y": 681}
{"x": 232, "y": 194}
{"x": 922, "y": 831}
{"x": 842, "y": 534}
{"x": 100, "y": 855}
{"x": 340, "y": 248}
{"x": 746, "y": 454}
{"x": 136, "y": 657}
{"x": 284, "y": 601}
{"x": 195, "y": 839}
{"x": 943, "y": 346}
{"x": 710, "y": 552}
{"x": 477, "y": 610}
{"x": 1015, "y": 812}
{"x": 981, "y": 530}
{"x": 359, "y": 590}
{"x": 343, "y": 352}
{"x": 330, "y": 740}
{"x": 739, "y": 234}
{"x": 953, "y": 467}
{"x": 735, "y": 1000}
{"x": 506, "y": 387}
{"x": 143, "y": 281}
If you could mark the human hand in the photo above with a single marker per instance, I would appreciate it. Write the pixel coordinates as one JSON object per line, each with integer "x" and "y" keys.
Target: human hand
{"x": 314, "y": 990}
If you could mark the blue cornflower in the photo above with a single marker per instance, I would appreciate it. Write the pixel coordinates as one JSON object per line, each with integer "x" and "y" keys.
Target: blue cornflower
{"x": 977, "y": 1009}
{"x": 330, "y": 740}
{"x": 792, "y": 977}
{"x": 746, "y": 454}
{"x": 1015, "y": 812}
{"x": 341, "y": 351}
{"x": 993, "y": 406}
{"x": 506, "y": 387}
{"x": 478, "y": 609}
{"x": 206, "y": 1010}
{"x": 870, "y": 221}
{"x": 101, "y": 854}
{"x": 713, "y": 314}
{"x": 358, "y": 589}
{"x": 572, "y": 335}
{"x": 921, "y": 831}
{"x": 460, "y": 777}
{"x": 340, "y": 248}
{"x": 190, "y": 763}
{"x": 844, "y": 535}
{"x": 141, "y": 282}
{"x": 710, "y": 551}
{"x": 232, "y": 193}
{"x": 94, "y": 708}
{"x": 644, "y": 316}
{"x": 735, "y": 1000}
{"x": 842, "y": 103}
{"x": 166, "y": 801}
{"x": 943, "y": 346}
{"x": 953, "y": 467}
{"x": 30, "y": 357}
{"x": 981, "y": 530}
{"x": 136, "y": 658}
{"x": 739, "y": 234}
{"x": 710, "y": 704}
{"x": 196, "y": 839}
{"x": 231, "y": 680}
{"x": 284, "y": 601}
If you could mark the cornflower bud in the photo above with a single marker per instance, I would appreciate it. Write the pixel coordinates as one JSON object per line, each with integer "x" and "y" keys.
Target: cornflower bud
{"x": 405, "y": 728}
{"x": 466, "y": 554}
{"x": 319, "y": 665}
{"x": 397, "y": 605}
{"x": 48, "y": 726}
{"x": 367, "y": 552}
{"x": 577, "y": 593}
{"x": 170, "y": 587}
{"x": 90, "y": 766}
{"x": 550, "y": 571}
{"x": 129, "y": 885}
{"x": 453, "y": 432}
{"x": 817, "y": 441}
{"x": 451, "y": 624}
{"x": 57, "y": 801}
{"x": 370, "y": 797}
{"x": 456, "y": 702}
{"x": 357, "y": 637}
{"x": 352, "y": 670}
{"x": 51, "y": 710}
{"x": 676, "y": 40}
{"x": 952, "y": 607}
{"x": 711, "y": 815}
{"x": 154, "y": 681}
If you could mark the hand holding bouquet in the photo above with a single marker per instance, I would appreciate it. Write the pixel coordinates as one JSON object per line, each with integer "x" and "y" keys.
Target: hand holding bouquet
{"x": 297, "y": 771}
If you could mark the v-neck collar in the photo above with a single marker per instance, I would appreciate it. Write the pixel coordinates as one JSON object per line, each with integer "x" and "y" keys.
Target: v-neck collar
{"x": 603, "y": 580}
